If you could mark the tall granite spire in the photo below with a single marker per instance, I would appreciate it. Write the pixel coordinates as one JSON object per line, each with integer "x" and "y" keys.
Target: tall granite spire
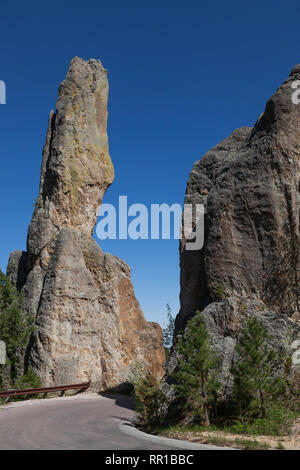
{"x": 249, "y": 265}
{"x": 88, "y": 321}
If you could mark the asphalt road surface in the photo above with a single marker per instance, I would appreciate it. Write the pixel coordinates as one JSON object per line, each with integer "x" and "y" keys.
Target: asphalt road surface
{"x": 78, "y": 422}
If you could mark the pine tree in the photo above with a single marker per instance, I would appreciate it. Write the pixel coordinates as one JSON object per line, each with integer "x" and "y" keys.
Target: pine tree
{"x": 196, "y": 377}
{"x": 252, "y": 370}
{"x": 168, "y": 332}
{"x": 148, "y": 395}
{"x": 15, "y": 327}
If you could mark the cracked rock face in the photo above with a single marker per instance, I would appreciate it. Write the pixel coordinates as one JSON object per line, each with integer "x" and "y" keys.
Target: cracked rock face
{"x": 250, "y": 186}
{"x": 88, "y": 321}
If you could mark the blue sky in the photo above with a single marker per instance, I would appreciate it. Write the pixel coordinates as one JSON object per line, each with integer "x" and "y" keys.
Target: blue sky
{"x": 182, "y": 76}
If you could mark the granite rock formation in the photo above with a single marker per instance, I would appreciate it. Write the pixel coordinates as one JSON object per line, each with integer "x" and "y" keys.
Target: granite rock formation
{"x": 249, "y": 264}
{"x": 88, "y": 321}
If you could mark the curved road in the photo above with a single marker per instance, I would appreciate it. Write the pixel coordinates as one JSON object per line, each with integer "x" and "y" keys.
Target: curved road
{"x": 78, "y": 422}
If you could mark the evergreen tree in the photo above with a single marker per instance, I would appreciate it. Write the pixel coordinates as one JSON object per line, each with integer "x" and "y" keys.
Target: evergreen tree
{"x": 15, "y": 327}
{"x": 252, "y": 370}
{"x": 168, "y": 331}
{"x": 196, "y": 378}
{"x": 148, "y": 400}
{"x": 148, "y": 396}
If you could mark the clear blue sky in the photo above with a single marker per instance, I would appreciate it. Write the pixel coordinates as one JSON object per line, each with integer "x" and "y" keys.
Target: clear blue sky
{"x": 182, "y": 76}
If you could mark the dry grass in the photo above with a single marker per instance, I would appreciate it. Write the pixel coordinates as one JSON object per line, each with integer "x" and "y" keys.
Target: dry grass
{"x": 238, "y": 441}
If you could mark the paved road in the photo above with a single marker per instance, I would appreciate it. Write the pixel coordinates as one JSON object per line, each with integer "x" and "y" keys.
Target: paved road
{"x": 79, "y": 422}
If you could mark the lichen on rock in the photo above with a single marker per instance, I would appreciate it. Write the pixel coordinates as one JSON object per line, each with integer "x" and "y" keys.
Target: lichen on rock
{"x": 89, "y": 324}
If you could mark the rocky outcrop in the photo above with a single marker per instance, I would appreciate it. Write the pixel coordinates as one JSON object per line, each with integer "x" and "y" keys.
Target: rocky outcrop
{"x": 88, "y": 321}
{"x": 249, "y": 264}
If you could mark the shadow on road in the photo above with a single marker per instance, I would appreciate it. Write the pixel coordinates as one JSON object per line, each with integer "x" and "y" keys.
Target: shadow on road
{"x": 124, "y": 401}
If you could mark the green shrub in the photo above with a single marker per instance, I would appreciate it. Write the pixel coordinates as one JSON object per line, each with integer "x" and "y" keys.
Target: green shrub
{"x": 277, "y": 422}
{"x": 148, "y": 396}
{"x": 28, "y": 380}
{"x": 280, "y": 446}
{"x": 220, "y": 292}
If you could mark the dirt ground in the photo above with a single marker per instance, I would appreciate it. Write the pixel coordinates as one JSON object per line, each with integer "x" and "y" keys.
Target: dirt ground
{"x": 243, "y": 441}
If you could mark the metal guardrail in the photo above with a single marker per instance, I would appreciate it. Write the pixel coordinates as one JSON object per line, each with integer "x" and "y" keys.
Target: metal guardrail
{"x": 44, "y": 390}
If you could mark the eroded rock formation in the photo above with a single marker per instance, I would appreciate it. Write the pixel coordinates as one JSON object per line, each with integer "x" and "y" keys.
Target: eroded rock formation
{"x": 249, "y": 265}
{"x": 88, "y": 321}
